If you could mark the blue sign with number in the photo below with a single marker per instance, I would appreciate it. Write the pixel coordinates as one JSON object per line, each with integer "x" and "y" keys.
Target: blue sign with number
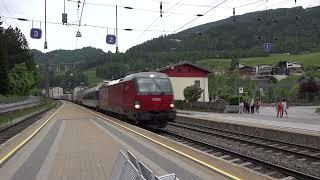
{"x": 35, "y": 33}
{"x": 111, "y": 39}
{"x": 267, "y": 47}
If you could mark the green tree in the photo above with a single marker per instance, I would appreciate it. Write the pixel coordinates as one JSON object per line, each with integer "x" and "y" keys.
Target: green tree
{"x": 14, "y": 50}
{"x": 192, "y": 93}
{"x": 21, "y": 80}
{"x": 4, "y": 79}
{"x": 234, "y": 63}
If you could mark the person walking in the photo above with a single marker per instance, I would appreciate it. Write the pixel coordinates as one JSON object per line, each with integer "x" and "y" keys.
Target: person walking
{"x": 279, "y": 109}
{"x": 284, "y": 107}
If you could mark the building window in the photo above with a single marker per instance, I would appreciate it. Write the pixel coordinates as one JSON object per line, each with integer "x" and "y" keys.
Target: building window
{"x": 197, "y": 83}
{"x": 189, "y": 69}
{"x": 179, "y": 70}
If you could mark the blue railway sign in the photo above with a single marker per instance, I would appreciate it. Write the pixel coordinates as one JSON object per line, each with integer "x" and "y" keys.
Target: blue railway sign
{"x": 35, "y": 33}
{"x": 111, "y": 39}
{"x": 267, "y": 47}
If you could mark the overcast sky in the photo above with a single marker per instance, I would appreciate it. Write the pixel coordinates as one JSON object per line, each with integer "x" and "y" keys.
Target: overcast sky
{"x": 177, "y": 13}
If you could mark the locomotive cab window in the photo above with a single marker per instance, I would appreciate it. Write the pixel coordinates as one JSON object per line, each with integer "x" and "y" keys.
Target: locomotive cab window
{"x": 153, "y": 85}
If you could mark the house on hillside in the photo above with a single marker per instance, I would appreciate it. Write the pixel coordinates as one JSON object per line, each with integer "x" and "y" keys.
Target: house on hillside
{"x": 185, "y": 74}
{"x": 288, "y": 68}
{"x": 263, "y": 72}
{"x": 248, "y": 71}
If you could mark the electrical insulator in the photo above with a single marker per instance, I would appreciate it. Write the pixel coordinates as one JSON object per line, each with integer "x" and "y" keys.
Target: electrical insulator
{"x": 64, "y": 18}
{"x": 78, "y": 34}
{"x": 161, "y": 9}
{"x": 234, "y": 14}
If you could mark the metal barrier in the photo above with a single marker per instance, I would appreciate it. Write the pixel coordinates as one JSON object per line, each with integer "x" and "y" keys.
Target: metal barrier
{"x": 28, "y": 102}
{"x": 130, "y": 168}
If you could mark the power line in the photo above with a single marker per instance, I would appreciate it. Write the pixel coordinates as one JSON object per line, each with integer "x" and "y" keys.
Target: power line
{"x": 201, "y": 16}
{"x": 84, "y": 25}
{"x": 210, "y": 6}
{"x": 5, "y": 6}
{"x": 157, "y": 11}
{"x": 158, "y": 18}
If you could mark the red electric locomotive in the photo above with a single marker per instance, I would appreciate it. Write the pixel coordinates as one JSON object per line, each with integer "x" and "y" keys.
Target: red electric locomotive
{"x": 146, "y": 98}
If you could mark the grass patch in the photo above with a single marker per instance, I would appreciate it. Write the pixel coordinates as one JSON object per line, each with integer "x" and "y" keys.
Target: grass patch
{"x": 318, "y": 110}
{"x": 305, "y": 59}
{"x": 92, "y": 78}
{"x": 6, "y": 117}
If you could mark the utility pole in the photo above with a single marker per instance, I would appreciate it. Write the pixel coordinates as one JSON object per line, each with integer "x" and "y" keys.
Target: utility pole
{"x": 117, "y": 37}
{"x": 46, "y": 47}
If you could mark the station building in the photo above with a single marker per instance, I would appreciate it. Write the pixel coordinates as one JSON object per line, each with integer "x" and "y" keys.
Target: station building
{"x": 185, "y": 74}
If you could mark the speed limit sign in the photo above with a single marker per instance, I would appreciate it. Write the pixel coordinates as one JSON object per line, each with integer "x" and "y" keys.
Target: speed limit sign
{"x": 35, "y": 33}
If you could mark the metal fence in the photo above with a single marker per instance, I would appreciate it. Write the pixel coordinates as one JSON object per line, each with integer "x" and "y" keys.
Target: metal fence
{"x": 130, "y": 168}
{"x": 15, "y": 103}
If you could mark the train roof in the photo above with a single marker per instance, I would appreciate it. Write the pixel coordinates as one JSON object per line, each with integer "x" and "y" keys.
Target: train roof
{"x": 145, "y": 74}
{"x": 96, "y": 88}
{"x": 135, "y": 75}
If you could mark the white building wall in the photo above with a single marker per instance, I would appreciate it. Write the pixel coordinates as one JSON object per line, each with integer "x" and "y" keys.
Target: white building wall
{"x": 180, "y": 83}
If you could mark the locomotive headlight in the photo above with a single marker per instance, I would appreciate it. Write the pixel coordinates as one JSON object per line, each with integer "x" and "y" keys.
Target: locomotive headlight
{"x": 172, "y": 105}
{"x": 137, "y": 105}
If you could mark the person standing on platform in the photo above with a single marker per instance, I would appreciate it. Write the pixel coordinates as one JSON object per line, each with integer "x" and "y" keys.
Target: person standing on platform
{"x": 284, "y": 107}
{"x": 279, "y": 109}
{"x": 258, "y": 103}
{"x": 247, "y": 106}
{"x": 241, "y": 105}
{"x": 252, "y": 106}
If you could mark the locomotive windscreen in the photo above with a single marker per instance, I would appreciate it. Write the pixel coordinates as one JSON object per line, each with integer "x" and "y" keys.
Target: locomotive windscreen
{"x": 154, "y": 85}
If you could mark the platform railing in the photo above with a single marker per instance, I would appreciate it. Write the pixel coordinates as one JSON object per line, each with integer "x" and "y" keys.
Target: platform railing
{"x": 130, "y": 168}
{"x": 23, "y": 103}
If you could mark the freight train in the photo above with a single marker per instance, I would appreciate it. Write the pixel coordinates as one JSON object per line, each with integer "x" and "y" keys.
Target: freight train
{"x": 145, "y": 98}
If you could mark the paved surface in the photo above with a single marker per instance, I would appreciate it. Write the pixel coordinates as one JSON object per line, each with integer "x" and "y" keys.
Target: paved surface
{"x": 299, "y": 117}
{"x": 76, "y": 144}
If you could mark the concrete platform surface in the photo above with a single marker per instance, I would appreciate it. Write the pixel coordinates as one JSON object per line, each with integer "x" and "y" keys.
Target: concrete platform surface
{"x": 76, "y": 144}
{"x": 300, "y": 118}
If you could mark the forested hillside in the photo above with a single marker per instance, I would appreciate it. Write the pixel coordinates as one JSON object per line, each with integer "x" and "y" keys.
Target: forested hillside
{"x": 290, "y": 30}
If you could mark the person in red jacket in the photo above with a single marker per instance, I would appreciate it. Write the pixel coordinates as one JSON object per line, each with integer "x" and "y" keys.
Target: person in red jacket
{"x": 279, "y": 109}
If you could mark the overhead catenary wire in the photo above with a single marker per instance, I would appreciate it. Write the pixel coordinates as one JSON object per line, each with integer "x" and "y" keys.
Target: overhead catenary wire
{"x": 158, "y": 18}
{"x": 6, "y": 8}
{"x": 210, "y": 6}
{"x": 200, "y": 16}
{"x": 84, "y": 25}
{"x": 167, "y": 11}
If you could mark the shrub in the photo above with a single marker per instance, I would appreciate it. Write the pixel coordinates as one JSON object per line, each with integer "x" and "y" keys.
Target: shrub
{"x": 192, "y": 93}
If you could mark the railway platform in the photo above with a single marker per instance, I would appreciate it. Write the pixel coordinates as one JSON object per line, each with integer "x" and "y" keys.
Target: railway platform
{"x": 302, "y": 126}
{"x": 72, "y": 142}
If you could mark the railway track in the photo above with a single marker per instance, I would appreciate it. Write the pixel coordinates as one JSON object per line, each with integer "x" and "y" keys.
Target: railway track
{"x": 275, "y": 159}
{"x": 12, "y": 131}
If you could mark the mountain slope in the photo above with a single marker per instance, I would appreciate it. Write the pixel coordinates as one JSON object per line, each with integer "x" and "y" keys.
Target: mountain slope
{"x": 290, "y": 30}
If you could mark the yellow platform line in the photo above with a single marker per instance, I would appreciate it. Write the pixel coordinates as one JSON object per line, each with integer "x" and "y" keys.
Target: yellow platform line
{"x": 16, "y": 148}
{"x": 168, "y": 147}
